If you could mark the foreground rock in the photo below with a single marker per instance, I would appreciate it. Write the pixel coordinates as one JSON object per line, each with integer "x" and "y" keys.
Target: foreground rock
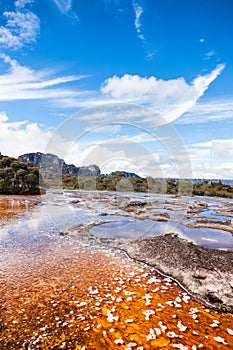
{"x": 205, "y": 273}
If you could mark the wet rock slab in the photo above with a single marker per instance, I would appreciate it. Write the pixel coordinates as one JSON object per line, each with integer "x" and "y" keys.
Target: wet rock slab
{"x": 184, "y": 210}
{"x": 205, "y": 273}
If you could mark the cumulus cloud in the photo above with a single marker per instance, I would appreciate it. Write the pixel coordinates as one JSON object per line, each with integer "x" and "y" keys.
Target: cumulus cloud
{"x": 171, "y": 98}
{"x": 23, "y": 83}
{"x": 115, "y": 156}
{"x": 212, "y": 159}
{"x": 22, "y": 27}
{"x": 220, "y": 148}
{"x": 21, "y": 137}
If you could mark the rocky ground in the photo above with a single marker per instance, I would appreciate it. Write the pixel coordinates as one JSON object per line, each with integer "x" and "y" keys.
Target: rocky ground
{"x": 150, "y": 208}
{"x": 205, "y": 273}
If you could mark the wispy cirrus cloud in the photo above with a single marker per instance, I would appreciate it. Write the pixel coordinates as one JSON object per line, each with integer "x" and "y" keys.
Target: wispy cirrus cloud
{"x": 22, "y": 3}
{"x": 23, "y": 83}
{"x": 210, "y": 111}
{"x": 168, "y": 100}
{"x": 138, "y": 10}
{"x": 22, "y": 27}
{"x": 209, "y": 54}
{"x": 65, "y": 7}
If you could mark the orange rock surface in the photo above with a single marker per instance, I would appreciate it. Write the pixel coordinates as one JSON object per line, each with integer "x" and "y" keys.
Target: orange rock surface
{"x": 79, "y": 297}
{"x": 56, "y": 293}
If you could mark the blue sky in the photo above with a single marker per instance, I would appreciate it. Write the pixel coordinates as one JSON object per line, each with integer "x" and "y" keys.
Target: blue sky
{"x": 144, "y": 86}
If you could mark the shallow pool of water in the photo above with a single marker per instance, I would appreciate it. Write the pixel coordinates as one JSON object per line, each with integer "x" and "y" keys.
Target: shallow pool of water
{"x": 57, "y": 293}
{"x": 137, "y": 229}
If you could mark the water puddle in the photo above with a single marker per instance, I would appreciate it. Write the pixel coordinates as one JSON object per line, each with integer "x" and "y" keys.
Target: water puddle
{"x": 57, "y": 293}
{"x": 137, "y": 229}
{"x": 15, "y": 206}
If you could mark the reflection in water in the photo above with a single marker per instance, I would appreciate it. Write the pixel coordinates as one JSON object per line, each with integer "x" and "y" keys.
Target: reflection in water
{"x": 135, "y": 229}
{"x": 59, "y": 294}
{"x": 15, "y": 205}
{"x": 138, "y": 222}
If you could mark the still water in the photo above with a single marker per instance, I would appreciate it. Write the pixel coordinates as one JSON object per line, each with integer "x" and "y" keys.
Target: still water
{"x": 57, "y": 293}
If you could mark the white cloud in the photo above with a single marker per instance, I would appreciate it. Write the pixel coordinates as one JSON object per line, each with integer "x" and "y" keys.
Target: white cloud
{"x": 171, "y": 98}
{"x": 22, "y": 28}
{"x": 212, "y": 159}
{"x": 65, "y": 7}
{"x": 125, "y": 154}
{"x": 116, "y": 156}
{"x": 204, "y": 144}
{"x": 138, "y": 10}
{"x": 212, "y": 110}
{"x": 23, "y": 83}
{"x": 21, "y": 137}
{"x": 205, "y": 171}
{"x": 107, "y": 128}
{"x": 22, "y": 3}
{"x": 210, "y": 54}
{"x": 208, "y": 170}
{"x": 220, "y": 148}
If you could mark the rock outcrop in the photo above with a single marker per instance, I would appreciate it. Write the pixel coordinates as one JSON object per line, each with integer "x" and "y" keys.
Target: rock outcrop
{"x": 52, "y": 163}
{"x": 205, "y": 273}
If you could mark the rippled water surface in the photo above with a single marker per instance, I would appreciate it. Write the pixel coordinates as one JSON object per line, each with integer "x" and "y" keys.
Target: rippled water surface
{"x": 57, "y": 293}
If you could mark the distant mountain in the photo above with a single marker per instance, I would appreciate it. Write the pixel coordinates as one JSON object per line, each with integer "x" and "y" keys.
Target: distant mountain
{"x": 17, "y": 177}
{"x": 52, "y": 163}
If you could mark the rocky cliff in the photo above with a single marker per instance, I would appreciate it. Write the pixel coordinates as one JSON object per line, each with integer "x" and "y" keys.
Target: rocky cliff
{"x": 52, "y": 163}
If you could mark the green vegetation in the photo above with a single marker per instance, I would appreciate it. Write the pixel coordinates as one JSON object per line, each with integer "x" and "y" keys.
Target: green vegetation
{"x": 118, "y": 182}
{"x": 17, "y": 177}
{"x": 213, "y": 189}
